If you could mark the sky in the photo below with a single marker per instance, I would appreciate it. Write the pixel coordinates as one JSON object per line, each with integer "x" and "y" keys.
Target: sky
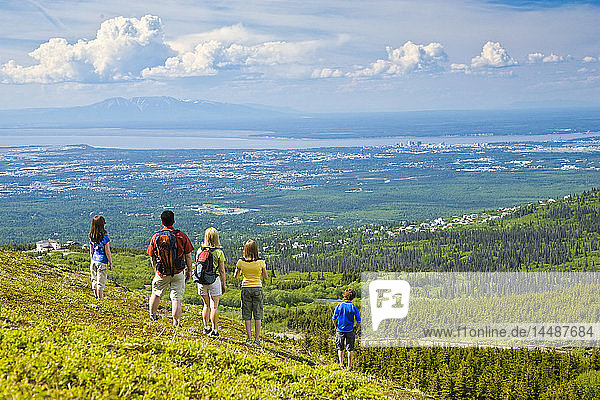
{"x": 313, "y": 56}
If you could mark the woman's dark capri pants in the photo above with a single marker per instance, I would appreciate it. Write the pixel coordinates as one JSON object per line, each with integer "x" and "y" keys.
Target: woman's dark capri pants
{"x": 252, "y": 303}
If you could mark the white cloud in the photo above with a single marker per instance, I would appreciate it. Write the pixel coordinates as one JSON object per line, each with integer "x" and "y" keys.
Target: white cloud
{"x": 589, "y": 59}
{"x": 327, "y": 73}
{"x": 554, "y": 58}
{"x": 269, "y": 53}
{"x": 122, "y": 48}
{"x": 200, "y": 62}
{"x": 409, "y": 58}
{"x": 536, "y": 58}
{"x": 209, "y": 57}
{"x": 459, "y": 67}
{"x": 227, "y": 35}
{"x": 493, "y": 55}
{"x": 131, "y": 48}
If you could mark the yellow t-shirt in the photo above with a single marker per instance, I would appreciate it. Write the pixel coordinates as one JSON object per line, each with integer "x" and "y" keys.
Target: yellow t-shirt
{"x": 252, "y": 271}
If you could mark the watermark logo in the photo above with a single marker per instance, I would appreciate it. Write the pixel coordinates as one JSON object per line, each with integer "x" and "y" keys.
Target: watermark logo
{"x": 503, "y": 309}
{"x": 389, "y": 300}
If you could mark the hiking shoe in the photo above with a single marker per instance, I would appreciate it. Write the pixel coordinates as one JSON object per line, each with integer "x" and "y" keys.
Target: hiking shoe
{"x": 177, "y": 325}
{"x": 207, "y": 330}
{"x": 248, "y": 341}
{"x": 256, "y": 342}
{"x": 213, "y": 334}
{"x": 153, "y": 317}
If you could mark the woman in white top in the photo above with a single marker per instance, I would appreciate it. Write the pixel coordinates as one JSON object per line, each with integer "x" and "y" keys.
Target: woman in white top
{"x": 212, "y": 293}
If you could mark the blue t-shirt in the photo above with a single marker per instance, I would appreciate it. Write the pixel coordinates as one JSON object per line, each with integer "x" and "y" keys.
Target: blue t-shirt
{"x": 345, "y": 313}
{"x": 99, "y": 250}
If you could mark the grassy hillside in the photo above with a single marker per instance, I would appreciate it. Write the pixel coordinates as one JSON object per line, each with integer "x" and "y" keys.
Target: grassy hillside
{"x": 58, "y": 341}
{"x": 281, "y": 291}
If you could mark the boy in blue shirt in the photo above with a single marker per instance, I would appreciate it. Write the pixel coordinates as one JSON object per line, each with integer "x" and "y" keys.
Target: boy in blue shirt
{"x": 344, "y": 315}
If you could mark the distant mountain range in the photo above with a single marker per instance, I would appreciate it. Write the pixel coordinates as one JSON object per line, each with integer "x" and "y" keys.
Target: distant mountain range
{"x": 159, "y": 111}
{"x": 169, "y": 113}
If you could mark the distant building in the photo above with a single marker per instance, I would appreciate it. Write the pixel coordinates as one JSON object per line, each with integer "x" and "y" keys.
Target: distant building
{"x": 438, "y": 221}
{"x": 47, "y": 245}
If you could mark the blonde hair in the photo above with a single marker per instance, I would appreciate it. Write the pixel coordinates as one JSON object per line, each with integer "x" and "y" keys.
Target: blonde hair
{"x": 251, "y": 251}
{"x": 211, "y": 238}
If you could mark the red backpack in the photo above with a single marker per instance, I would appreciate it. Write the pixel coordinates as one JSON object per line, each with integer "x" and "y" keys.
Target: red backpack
{"x": 166, "y": 245}
{"x": 204, "y": 272}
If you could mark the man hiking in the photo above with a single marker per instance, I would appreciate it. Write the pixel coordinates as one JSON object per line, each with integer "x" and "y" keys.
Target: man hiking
{"x": 171, "y": 251}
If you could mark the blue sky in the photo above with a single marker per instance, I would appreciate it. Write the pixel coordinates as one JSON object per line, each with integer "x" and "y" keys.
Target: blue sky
{"x": 310, "y": 55}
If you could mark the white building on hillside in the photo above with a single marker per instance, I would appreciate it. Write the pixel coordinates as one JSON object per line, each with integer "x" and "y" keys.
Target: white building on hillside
{"x": 47, "y": 245}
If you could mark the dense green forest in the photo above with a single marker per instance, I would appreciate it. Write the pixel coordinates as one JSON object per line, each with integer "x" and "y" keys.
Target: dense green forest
{"x": 559, "y": 235}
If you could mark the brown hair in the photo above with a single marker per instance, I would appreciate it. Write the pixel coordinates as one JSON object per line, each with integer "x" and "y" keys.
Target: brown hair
{"x": 97, "y": 231}
{"x": 250, "y": 250}
{"x": 349, "y": 294}
{"x": 167, "y": 218}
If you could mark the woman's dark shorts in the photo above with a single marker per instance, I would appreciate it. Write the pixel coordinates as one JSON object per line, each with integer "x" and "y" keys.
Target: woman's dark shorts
{"x": 342, "y": 338}
{"x": 252, "y": 303}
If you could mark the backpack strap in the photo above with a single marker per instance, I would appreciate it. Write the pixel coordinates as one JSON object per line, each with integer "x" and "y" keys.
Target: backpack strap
{"x": 174, "y": 231}
{"x": 209, "y": 249}
{"x": 200, "y": 252}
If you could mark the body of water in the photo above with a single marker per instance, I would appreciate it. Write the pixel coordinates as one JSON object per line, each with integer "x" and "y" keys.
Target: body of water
{"x": 237, "y": 139}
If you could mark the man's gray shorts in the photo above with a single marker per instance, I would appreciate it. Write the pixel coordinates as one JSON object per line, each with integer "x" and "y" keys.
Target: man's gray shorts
{"x": 346, "y": 338}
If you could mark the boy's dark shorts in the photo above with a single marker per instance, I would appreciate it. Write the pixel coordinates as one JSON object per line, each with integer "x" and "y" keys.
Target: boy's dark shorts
{"x": 344, "y": 337}
{"x": 252, "y": 303}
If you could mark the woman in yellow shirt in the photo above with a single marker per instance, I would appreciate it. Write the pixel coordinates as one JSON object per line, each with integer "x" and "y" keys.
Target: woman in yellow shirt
{"x": 252, "y": 268}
